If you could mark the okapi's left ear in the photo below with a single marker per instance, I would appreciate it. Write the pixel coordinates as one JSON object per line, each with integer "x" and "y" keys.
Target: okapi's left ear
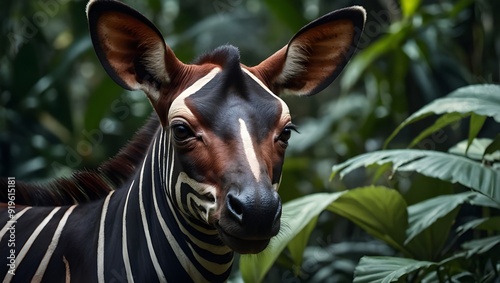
{"x": 315, "y": 56}
{"x": 130, "y": 48}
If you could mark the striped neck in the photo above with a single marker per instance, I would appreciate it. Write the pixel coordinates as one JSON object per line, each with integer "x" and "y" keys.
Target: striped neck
{"x": 171, "y": 240}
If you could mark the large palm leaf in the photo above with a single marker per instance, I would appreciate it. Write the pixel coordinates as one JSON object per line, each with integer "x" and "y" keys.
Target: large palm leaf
{"x": 476, "y": 101}
{"x": 440, "y": 165}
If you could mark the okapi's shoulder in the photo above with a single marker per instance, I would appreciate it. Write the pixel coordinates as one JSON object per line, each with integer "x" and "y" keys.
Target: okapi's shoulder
{"x": 87, "y": 185}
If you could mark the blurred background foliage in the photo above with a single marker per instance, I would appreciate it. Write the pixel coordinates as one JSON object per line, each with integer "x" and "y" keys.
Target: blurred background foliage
{"x": 60, "y": 112}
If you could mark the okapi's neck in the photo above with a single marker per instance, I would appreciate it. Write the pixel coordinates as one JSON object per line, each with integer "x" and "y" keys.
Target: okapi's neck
{"x": 159, "y": 198}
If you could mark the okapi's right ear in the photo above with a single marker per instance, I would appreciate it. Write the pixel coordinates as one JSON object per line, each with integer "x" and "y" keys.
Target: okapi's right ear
{"x": 130, "y": 48}
{"x": 315, "y": 56}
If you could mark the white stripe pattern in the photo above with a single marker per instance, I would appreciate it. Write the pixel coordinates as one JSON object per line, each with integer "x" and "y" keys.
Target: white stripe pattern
{"x": 52, "y": 246}
{"x": 145, "y": 225}
{"x": 100, "y": 241}
{"x": 29, "y": 242}
{"x": 13, "y": 220}
{"x": 126, "y": 260}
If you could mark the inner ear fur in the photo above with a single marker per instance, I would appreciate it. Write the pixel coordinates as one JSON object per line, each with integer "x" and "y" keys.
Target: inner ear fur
{"x": 315, "y": 55}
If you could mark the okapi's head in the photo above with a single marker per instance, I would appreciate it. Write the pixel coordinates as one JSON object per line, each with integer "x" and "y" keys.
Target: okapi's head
{"x": 227, "y": 123}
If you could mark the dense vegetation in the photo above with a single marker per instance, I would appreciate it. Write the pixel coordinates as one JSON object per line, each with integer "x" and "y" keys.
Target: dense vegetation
{"x": 411, "y": 128}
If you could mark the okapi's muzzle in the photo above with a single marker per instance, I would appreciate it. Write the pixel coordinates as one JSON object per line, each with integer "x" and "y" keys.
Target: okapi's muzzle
{"x": 250, "y": 217}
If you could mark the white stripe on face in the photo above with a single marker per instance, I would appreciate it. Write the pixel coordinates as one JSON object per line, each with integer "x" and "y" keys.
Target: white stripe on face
{"x": 179, "y": 107}
{"x": 249, "y": 150}
{"x": 204, "y": 207}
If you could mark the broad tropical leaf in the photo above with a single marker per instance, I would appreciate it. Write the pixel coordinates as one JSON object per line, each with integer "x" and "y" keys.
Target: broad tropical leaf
{"x": 423, "y": 214}
{"x": 494, "y": 148}
{"x": 481, "y": 246}
{"x": 482, "y": 100}
{"x": 440, "y": 123}
{"x": 381, "y": 212}
{"x": 440, "y": 165}
{"x": 430, "y": 222}
{"x": 387, "y": 269}
{"x": 390, "y": 42}
{"x": 475, "y": 151}
{"x": 429, "y": 243}
{"x": 487, "y": 223}
{"x": 298, "y": 244}
{"x": 475, "y": 125}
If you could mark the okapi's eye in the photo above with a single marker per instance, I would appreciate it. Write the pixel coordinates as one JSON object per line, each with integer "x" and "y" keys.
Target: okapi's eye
{"x": 286, "y": 134}
{"x": 181, "y": 132}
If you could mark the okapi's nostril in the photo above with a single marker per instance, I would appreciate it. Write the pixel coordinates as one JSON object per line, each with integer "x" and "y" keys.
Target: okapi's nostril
{"x": 235, "y": 208}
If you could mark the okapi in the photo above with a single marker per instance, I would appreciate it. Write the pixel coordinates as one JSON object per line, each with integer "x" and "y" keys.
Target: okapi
{"x": 197, "y": 183}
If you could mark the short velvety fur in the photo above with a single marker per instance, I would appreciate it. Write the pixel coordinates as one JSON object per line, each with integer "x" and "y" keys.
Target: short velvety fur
{"x": 199, "y": 181}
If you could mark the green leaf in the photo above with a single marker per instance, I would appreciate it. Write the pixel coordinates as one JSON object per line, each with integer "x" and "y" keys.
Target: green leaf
{"x": 475, "y": 125}
{"x": 380, "y": 172}
{"x": 474, "y": 151}
{"x": 440, "y": 123}
{"x": 440, "y": 165}
{"x": 430, "y": 222}
{"x": 381, "y": 212}
{"x": 480, "y": 246}
{"x": 429, "y": 243}
{"x": 296, "y": 215}
{"x": 409, "y": 7}
{"x": 482, "y": 200}
{"x": 424, "y": 214}
{"x": 483, "y": 100}
{"x": 487, "y": 223}
{"x": 383, "y": 269}
{"x": 487, "y": 91}
{"x": 384, "y": 45}
{"x": 481, "y": 149}
{"x": 493, "y": 147}
{"x": 297, "y": 245}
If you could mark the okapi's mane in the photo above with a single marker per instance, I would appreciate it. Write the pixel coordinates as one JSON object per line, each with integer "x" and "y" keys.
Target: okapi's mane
{"x": 87, "y": 185}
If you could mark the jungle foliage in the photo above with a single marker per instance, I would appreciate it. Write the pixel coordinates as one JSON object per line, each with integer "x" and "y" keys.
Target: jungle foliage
{"x": 394, "y": 176}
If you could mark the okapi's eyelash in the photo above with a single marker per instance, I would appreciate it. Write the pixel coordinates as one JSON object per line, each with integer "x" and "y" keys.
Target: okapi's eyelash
{"x": 292, "y": 127}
